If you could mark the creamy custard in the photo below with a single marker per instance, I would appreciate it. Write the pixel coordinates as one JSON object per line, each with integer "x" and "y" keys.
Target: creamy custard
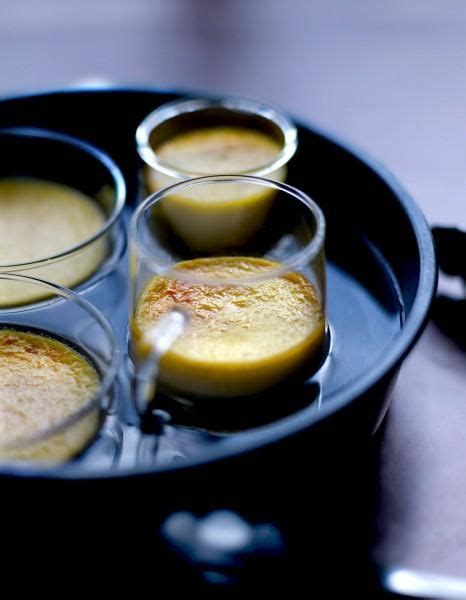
{"x": 43, "y": 381}
{"x": 241, "y": 339}
{"x": 219, "y": 150}
{"x": 39, "y": 219}
{"x": 221, "y": 215}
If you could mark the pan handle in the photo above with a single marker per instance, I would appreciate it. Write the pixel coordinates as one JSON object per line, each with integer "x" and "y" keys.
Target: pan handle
{"x": 400, "y": 582}
{"x": 226, "y": 550}
{"x": 222, "y": 548}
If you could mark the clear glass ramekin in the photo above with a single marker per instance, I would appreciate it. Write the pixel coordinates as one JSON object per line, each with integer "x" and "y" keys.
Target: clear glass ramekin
{"x": 272, "y": 279}
{"x": 68, "y": 318}
{"x": 182, "y": 116}
{"x": 58, "y": 158}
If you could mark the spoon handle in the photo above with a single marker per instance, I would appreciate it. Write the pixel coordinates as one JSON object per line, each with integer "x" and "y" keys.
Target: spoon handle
{"x": 159, "y": 339}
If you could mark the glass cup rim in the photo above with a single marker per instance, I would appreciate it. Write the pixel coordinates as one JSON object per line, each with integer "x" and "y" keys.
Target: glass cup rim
{"x": 106, "y": 381}
{"x": 97, "y": 154}
{"x": 175, "y": 108}
{"x": 295, "y": 262}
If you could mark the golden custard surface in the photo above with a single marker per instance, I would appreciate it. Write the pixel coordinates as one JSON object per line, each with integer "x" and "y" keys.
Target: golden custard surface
{"x": 219, "y": 150}
{"x": 43, "y": 381}
{"x": 240, "y": 339}
{"x": 41, "y": 219}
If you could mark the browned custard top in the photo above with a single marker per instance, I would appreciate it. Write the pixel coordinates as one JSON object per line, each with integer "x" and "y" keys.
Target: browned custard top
{"x": 240, "y": 338}
{"x": 42, "y": 381}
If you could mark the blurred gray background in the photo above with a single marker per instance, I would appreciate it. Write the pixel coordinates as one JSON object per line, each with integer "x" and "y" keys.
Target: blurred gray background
{"x": 353, "y": 66}
{"x": 387, "y": 75}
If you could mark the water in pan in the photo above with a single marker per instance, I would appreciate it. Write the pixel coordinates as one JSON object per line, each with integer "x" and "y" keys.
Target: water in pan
{"x": 365, "y": 314}
{"x": 364, "y": 304}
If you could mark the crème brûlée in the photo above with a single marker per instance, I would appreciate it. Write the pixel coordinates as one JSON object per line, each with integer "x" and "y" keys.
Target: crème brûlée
{"x": 209, "y": 217}
{"x": 240, "y": 339}
{"x": 40, "y": 219}
{"x": 42, "y": 382}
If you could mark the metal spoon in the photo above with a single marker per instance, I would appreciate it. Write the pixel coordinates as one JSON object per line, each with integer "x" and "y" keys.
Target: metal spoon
{"x": 160, "y": 338}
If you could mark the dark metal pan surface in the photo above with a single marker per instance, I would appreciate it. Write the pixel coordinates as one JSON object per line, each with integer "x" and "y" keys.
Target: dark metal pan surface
{"x": 381, "y": 281}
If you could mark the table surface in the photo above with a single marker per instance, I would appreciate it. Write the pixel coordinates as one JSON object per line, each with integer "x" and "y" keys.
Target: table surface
{"x": 389, "y": 77}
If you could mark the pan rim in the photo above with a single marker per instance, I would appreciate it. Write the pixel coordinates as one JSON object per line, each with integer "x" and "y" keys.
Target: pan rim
{"x": 264, "y": 437}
